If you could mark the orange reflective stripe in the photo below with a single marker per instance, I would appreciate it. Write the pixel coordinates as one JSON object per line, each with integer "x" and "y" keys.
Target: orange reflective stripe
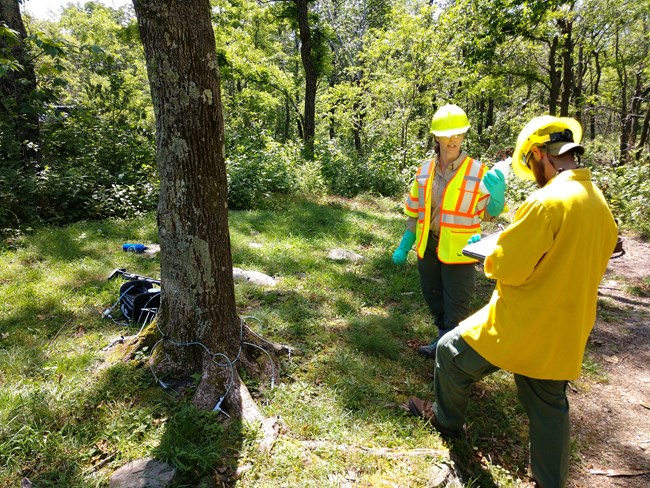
{"x": 459, "y": 216}
{"x": 461, "y": 207}
{"x": 469, "y": 188}
{"x": 410, "y": 209}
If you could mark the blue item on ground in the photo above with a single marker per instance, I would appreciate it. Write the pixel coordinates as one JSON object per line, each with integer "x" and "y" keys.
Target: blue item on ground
{"x": 133, "y": 247}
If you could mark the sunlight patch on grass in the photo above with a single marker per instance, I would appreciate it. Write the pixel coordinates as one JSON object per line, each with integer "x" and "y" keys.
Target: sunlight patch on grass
{"x": 69, "y": 415}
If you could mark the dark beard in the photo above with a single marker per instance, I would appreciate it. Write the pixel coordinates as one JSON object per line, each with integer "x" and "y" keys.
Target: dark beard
{"x": 538, "y": 172}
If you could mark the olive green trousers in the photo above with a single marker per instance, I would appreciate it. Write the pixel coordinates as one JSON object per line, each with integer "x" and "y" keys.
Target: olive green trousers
{"x": 458, "y": 366}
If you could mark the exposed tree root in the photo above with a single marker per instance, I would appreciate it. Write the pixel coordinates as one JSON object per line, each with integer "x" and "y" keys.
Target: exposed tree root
{"x": 376, "y": 451}
{"x": 258, "y": 357}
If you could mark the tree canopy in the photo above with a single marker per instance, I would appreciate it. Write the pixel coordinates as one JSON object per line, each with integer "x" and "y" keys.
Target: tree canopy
{"x": 320, "y": 96}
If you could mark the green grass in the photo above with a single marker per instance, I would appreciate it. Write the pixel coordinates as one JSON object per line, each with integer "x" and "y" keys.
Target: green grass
{"x": 70, "y": 414}
{"x": 639, "y": 289}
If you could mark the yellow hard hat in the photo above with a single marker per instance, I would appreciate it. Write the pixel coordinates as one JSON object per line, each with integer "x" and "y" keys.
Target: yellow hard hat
{"x": 449, "y": 120}
{"x": 547, "y": 129}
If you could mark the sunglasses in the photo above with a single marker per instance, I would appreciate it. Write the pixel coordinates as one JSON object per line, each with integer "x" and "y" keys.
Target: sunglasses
{"x": 527, "y": 158}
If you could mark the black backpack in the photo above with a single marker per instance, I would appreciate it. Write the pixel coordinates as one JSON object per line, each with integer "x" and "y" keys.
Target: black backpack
{"x": 139, "y": 301}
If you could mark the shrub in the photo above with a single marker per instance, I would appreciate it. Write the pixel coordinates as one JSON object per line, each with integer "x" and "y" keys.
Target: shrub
{"x": 381, "y": 172}
{"x": 627, "y": 190}
{"x": 255, "y": 173}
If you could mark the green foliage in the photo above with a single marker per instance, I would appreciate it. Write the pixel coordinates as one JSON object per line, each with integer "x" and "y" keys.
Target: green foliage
{"x": 97, "y": 157}
{"x": 388, "y": 66}
{"x": 350, "y": 175}
{"x": 627, "y": 190}
{"x": 257, "y": 171}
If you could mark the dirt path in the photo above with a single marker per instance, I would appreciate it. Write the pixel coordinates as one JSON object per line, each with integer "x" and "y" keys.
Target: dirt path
{"x": 611, "y": 414}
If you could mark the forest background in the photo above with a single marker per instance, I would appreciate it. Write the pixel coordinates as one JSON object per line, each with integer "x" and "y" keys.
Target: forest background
{"x": 327, "y": 105}
{"x": 348, "y": 116}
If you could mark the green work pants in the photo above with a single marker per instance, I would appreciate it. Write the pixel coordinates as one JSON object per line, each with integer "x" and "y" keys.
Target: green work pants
{"x": 458, "y": 366}
{"x": 447, "y": 288}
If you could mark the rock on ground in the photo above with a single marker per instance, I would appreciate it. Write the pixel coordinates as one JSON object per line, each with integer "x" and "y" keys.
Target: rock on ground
{"x": 143, "y": 473}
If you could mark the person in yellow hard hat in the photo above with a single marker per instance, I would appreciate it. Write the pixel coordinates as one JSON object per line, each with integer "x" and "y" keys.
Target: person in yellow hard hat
{"x": 445, "y": 208}
{"x": 547, "y": 265}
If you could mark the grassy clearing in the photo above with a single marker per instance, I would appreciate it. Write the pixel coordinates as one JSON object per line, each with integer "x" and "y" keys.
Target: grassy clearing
{"x": 70, "y": 415}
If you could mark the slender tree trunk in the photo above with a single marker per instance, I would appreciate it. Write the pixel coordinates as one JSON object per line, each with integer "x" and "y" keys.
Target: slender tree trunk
{"x": 358, "y": 117}
{"x": 578, "y": 86}
{"x": 198, "y": 300}
{"x": 287, "y": 119}
{"x": 596, "y": 93}
{"x": 566, "y": 27}
{"x": 635, "y": 109}
{"x": 481, "y": 116}
{"x": 645, "y": 133}
{"x": 621, "y": 70}
{"x": 554, "y": 78}
{"x": 489, "y": 116}
{"x": 17, "y": 86}
{"x": 311, "y": 77}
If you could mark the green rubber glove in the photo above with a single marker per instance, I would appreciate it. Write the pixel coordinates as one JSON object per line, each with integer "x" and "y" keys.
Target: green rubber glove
{"x": 474, "y": 238}
{"x": 495, "y": 182}
{"x": 399, "y": 256}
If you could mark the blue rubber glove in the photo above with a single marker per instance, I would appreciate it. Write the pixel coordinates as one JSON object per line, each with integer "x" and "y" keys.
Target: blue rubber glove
{"x": 495, "y": 182}
{"x": 474, "y": 238}
{"x": 399, "y": 256}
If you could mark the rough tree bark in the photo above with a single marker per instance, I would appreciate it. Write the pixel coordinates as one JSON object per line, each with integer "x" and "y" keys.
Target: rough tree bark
{"x": 17, "y": 86}
{"x": 198, "y": 300}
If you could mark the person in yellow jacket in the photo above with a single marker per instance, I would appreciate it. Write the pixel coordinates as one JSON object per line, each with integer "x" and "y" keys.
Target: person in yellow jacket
{"x": 445, "y": 207}
{"x": 548, "y": 265}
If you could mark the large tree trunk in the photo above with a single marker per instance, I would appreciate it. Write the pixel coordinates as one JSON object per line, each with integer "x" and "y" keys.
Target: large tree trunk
{"x": 311, "y": 77}
{"x": 16, "y": 88}
{"x": 198, "y": 302}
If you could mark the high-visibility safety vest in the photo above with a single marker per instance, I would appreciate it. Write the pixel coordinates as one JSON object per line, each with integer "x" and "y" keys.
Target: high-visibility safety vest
{"x": 462, "y": 208}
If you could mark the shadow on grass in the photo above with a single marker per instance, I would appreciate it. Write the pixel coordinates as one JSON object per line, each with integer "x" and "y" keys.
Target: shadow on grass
{"x": 356, "y": 313}
{"x": 113, "y": 422}
{"x": 311, "y": 220}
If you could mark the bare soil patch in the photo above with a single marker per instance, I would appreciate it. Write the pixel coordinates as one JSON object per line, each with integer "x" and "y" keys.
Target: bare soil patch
{"x": 610, "y": 408}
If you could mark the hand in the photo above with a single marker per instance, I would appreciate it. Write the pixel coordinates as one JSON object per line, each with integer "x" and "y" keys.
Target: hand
{"x": 495, "y": 182}
{"x": 399, "y": 256}
{"x": 474, "y": 238}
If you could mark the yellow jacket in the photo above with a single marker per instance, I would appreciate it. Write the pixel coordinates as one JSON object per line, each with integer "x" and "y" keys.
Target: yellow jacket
{"x": 548, "y": 264}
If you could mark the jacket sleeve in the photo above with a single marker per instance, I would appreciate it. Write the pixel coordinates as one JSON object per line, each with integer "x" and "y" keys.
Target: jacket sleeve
{"x": 521, "y": 246}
